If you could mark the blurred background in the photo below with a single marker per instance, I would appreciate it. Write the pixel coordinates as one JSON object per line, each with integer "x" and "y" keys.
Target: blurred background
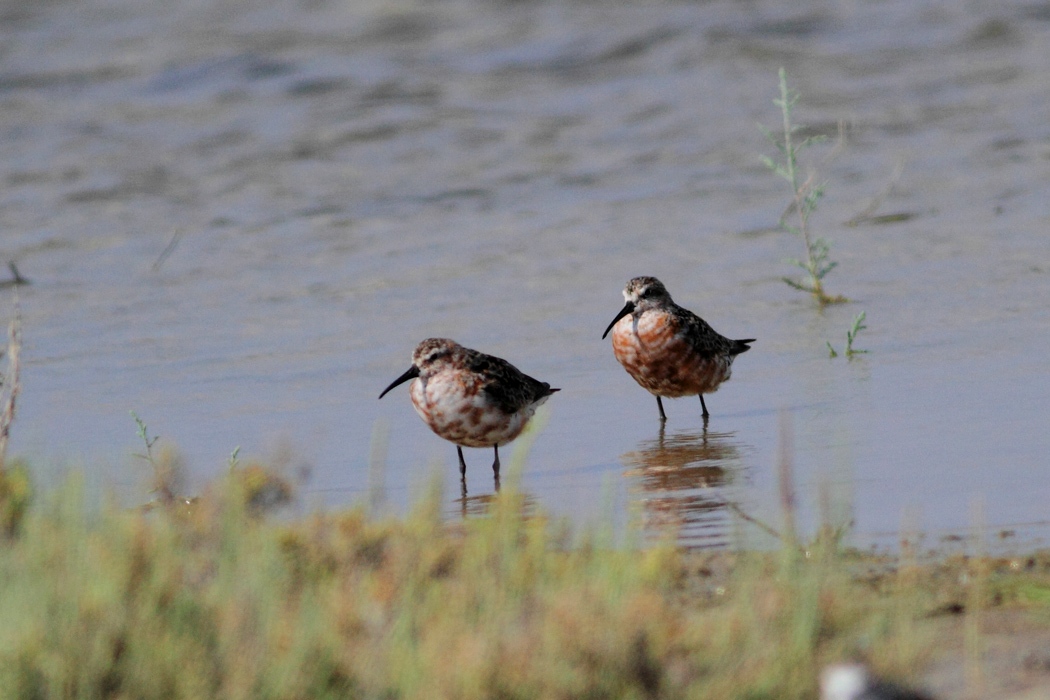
{"x": 239, "y": 217}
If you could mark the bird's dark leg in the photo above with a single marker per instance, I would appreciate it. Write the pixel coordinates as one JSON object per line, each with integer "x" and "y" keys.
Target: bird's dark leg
{"x": 495, "y": 466}
{"x": 660, "y": 405}
{"x": 704, "y": 406}
{"x": 462, "y": 465}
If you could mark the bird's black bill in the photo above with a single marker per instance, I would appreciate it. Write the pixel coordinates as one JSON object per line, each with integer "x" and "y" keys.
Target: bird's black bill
{"x": 412, "y": 373}
{"x": 628, "y": 308}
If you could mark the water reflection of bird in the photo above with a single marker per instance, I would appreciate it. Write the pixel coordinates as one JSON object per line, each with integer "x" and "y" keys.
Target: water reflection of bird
{"x": 469, "y": 398}
{"x": 480, "y": 506}
{"x": 670, "y": 351}
{"x": 683, "y": 477}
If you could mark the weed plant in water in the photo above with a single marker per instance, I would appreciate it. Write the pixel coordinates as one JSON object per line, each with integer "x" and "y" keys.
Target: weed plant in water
{"x": 851, "y": 335}
{"x": 167, "y": 468}
{"x": 806, "y": 194}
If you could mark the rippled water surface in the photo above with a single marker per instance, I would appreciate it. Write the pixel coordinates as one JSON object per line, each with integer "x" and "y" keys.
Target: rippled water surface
{"x": 240, "y": 217}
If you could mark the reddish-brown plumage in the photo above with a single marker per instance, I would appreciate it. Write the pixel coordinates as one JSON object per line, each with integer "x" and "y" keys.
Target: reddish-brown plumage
{"x": 668, "y": 350}
{"x": 661, "y": 359}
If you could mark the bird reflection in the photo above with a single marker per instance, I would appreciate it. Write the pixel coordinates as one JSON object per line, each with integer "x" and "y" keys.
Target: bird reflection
{"x": 481, "y": 506}
{"x": 683, "y": 479}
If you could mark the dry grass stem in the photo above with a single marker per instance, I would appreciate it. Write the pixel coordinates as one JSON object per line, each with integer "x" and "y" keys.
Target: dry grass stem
{"x": 786, "y": 479}
{"x": 975, "y": 603}
{"x": 11, "y": 381}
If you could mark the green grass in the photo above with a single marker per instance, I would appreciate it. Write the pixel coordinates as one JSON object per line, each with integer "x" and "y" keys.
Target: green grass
{"x": 212, "y": 598}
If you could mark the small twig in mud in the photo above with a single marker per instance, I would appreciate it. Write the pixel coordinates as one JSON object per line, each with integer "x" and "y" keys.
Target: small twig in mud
{"x": 868, "y": 212}
{"x": 168, "y": 250}
{"x": 763, "y": 526}
{"x": 786, "y": 479}
{"x": 16, "y": 280}
{"x": 11, "y": 383}
{"x": 768, "y": 529}
{"x": 786, "y": 484}
{"x": 975, "y": 643}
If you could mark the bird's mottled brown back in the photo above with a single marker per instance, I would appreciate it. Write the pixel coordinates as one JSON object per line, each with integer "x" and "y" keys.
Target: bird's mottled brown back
{"x": 507, "y": 386}
{"x": 470, "y": 398}
{"x": 704, "y": 339}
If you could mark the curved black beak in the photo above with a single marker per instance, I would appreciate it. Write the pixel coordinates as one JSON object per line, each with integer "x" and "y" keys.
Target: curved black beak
{"x": 412, "y": 373}
{"x": 627, "y": 308}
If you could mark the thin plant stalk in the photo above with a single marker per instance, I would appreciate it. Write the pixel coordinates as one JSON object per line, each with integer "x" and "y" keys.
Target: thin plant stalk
{"x": 786, "y": 482}
{"x": 975, "y": 604}
{"x": 851, "y": 337}
{"x": 12, "y": 383}
{"x": 806, "y": 194}
{"x": 163, "y": 474}
{"x": 851, "y": 334}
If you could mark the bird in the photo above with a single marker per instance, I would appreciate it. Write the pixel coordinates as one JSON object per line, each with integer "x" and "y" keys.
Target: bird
{"x": 853, "y": 682}
{"x": 668, "y": 350}
{"x": 469, "y": 398}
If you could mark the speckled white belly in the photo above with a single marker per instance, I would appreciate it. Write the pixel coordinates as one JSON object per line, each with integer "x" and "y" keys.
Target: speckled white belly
{"x": 456, "y": 410}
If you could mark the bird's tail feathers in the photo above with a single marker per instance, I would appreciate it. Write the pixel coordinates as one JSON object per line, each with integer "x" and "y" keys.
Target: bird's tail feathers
{"x": 743, "y": 345}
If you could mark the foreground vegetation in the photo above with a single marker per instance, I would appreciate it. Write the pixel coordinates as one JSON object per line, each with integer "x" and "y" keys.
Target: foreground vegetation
{"x": 214, "y": 599}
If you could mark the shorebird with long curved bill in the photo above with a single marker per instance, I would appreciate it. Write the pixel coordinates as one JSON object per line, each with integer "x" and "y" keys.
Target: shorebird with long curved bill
{"x": 670, "y": 351}
{"x": 469, "y": 398}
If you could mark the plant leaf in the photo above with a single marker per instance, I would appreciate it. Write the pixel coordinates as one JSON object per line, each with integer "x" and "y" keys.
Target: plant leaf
{"x": 792, "y": 283}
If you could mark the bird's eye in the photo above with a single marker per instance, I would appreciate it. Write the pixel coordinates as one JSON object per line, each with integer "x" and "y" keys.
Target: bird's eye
{"x": 645, "y": 293}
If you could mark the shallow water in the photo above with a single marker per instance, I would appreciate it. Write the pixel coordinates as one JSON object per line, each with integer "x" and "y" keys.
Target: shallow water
{"x": 240, "y": 217}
